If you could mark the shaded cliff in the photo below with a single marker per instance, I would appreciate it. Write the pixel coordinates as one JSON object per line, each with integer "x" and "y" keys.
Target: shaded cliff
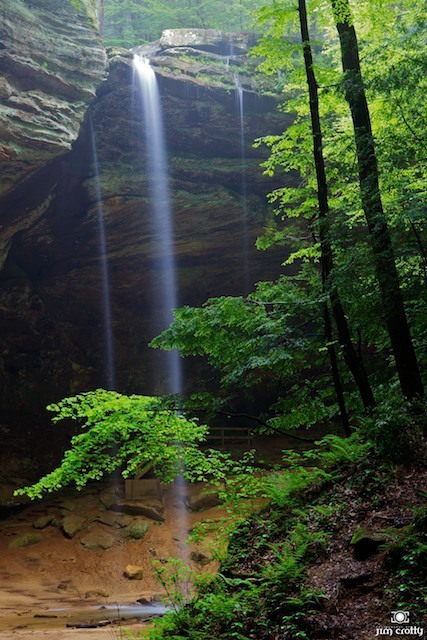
{"x": 51, "y": 289}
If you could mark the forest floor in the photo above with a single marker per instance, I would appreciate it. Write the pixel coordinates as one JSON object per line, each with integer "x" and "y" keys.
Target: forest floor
{"x": 339, "y": 561}
{"x": 56, "y": 581}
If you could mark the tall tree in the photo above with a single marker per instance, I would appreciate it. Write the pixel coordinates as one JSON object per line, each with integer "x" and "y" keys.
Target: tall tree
{"x": 385, "y": 267}
{"x": 352, "y": 358}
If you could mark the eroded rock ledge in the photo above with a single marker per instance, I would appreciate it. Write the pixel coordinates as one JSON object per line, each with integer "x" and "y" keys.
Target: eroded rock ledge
{"x": 51, "y": 62}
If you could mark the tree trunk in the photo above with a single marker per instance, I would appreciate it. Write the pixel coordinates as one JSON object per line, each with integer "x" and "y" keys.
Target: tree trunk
{"x": 351, "y": 357}
{"x": 335, "y": 371}
{"x": 385, "y": 267}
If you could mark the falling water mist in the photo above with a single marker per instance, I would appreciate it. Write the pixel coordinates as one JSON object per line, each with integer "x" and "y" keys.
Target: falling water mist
{"x": 163, "y": 238}
{"x": 244, "y": 220}
{"x": 105, "y": 275}
{"x": 161, "y": 209}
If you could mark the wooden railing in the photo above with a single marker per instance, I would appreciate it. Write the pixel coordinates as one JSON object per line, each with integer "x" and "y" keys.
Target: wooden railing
{"x": 227, "y": 435}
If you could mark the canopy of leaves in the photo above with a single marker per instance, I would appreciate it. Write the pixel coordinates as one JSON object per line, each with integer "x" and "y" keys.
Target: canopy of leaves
{"x": 129, "y": 23}
{"x": 393, "y": 62}
{"x": 273, "y": 339}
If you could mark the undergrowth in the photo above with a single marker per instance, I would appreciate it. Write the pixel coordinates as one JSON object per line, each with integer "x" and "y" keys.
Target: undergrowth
{"x": 263, "y": 591}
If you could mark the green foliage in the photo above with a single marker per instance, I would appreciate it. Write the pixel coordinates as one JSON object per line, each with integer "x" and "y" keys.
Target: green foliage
{"x": 262, "y": 589}
{"x": 393, "y": 59}
{"x": 393, "y": 428}
{"x": 129, "y": 23}
{"x": 176, "y": 577}
{"x": 128, "y": 432}
{"x": 408, "y": 564}
{"x": 132, "y": 433}
{"x": 272, "y": 338}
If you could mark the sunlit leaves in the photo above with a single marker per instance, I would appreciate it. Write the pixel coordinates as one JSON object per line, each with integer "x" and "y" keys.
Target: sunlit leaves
{"x": 121, "y": 432}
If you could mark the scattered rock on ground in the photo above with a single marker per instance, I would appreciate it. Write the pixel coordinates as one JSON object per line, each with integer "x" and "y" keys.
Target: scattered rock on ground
{"x": 203, "y": 498}
{"x": 108, "y": 518}
{"x": 133, "y": 572}
{"x": 137, "y": 530}
{"x": 152, "y": 510}
{"x": 72, "y": 524}
{"x": 44, "y": 521}
{"x": 97, "y": 540}
{"x": 26, "y": 540}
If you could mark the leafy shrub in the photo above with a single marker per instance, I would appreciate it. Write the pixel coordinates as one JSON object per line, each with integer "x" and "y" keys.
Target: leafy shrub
{"x": 393, "y": 429}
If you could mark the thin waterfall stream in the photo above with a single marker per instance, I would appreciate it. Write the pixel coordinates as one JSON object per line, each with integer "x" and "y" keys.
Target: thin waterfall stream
{"x": 163, "y": 233}
{"x": 160, "y": 204}
{"x": 107, "y": 321}
{"x": 244, "y": 222}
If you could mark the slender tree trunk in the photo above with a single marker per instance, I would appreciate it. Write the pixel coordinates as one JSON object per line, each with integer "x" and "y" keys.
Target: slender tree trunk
{"x": 385, "y": 266}
{"x": 335, "y": 371}
{"x": 351, "y": 357}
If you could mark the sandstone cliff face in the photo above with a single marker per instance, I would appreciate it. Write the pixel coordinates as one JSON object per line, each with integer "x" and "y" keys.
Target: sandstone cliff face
{"x": 51, "y": 306}
{"x": 51, "y": 61}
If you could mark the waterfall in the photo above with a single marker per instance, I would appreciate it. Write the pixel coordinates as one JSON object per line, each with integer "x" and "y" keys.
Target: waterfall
{"x": 164, "y": 245}
{"x": 244, "y": 220}
{"x": 161, "y": 210}
{"x": 105, "y": 276}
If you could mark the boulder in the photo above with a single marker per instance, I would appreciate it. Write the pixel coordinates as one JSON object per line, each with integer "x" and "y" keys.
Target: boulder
{"x": 153, "y": 510}
{"x": 107, "y": 498}
{"x": 366, "y": 543}
{"x": 97, "y": 540}
{"x": 203, "y": 497}
{"x": 137, "y": 530}
{"x": 72, "y": 524}
{"x": 44, "y": 521}
{"x": 107, "y": 518}
{"x": 133, "y": 572}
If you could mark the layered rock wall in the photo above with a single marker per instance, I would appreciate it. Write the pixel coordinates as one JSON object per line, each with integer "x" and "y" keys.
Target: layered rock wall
{"x": 51, "y": 291}
{"x": 51, "y": 62}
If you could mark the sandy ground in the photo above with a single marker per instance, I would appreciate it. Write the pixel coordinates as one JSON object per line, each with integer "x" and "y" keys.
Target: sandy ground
{"x": 59, "y": 573}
